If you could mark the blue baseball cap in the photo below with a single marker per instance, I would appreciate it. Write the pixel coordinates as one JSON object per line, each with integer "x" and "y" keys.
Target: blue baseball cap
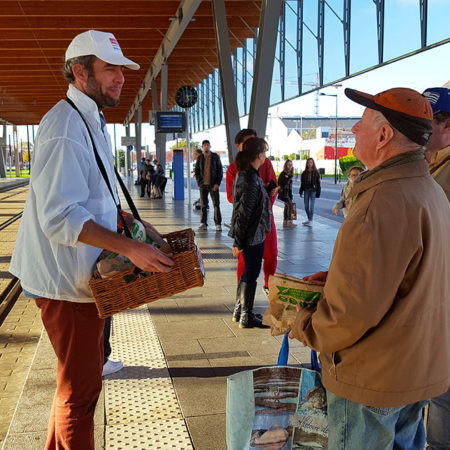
{"x": 439, "y": 99}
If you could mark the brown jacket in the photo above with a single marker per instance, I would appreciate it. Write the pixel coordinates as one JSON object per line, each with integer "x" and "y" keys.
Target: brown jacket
{"x": 440, "y": 169}
{"x": 383, "y": 328}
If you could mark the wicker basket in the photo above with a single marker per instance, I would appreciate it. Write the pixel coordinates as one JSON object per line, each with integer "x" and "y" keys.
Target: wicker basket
{"x": 128, "y": 290}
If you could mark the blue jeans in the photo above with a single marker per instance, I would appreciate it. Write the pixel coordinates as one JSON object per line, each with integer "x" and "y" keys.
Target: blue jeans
{"x": 352, "y": 426}
{"x": 310, "y": 199}
{"x": 438, "y": 424}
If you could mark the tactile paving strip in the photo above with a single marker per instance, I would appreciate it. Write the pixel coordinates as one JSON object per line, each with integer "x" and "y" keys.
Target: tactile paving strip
{"x": 164, "y": 434}
{"x": 142, "y": 409}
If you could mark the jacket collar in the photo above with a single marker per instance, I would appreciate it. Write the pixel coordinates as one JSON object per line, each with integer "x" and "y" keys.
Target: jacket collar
{"x": 406, "y": 165}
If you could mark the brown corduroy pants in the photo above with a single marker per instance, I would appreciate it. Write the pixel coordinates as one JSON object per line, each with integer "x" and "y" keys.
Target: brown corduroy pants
{"x": 76, "y": 334}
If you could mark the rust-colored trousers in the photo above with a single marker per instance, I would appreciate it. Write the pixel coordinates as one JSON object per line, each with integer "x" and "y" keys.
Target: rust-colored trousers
{"x": 270, "y": 256}
{"x": 76, "y": 334}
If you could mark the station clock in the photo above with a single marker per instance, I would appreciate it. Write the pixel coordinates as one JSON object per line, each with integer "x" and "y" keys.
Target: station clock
{"x": 186, "y": 96}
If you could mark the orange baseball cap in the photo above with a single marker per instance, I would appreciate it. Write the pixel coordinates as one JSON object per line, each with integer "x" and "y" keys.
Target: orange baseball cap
{"x": 406, "y": 110}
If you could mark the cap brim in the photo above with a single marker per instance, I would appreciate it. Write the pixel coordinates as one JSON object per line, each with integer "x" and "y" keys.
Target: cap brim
{"x": 361, "y": 98}
{"x": 120, "y": 60}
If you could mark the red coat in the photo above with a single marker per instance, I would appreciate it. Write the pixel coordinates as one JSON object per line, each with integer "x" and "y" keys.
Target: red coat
{"x": 266, "y": 174}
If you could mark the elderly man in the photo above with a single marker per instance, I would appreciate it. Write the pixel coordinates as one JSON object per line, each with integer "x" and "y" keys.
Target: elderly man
{"x": 438, "y": 155}
{"x": 382, "y": 328}
{"x": 70, "y": 215}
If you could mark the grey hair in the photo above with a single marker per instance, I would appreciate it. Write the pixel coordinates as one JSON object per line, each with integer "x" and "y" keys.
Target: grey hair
{"x": 399, "y": 140}
{"x": 86, "y": 61}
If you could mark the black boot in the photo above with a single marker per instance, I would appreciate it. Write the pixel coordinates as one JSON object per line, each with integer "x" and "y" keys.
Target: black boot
{"x": 237, "y": 306}
{"x": 248, "y": 319}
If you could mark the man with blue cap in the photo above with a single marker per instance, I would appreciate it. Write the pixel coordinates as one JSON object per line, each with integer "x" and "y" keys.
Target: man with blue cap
{"x": 438, "y": 155}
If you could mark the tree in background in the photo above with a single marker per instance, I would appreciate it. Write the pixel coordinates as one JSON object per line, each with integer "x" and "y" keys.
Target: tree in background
{"x": 346, "y": 162}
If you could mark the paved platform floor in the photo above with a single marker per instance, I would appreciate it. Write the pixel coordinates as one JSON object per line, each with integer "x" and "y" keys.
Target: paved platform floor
{"x": 177, "y": 351}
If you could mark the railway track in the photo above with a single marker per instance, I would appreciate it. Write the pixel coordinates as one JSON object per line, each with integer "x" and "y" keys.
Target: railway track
{"x": 11, "y": 292}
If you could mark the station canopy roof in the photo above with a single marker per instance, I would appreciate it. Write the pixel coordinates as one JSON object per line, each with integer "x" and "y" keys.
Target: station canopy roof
{"x": 34, "y": 35}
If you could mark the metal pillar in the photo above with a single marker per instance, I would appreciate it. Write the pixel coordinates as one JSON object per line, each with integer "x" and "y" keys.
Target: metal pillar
{"x": 188, "y": 155}
{"x": 3, "y": 154}
{"x": 299, "y": 50}
{"x": 162, "y": 137}
{"x": 346, "y": 24}
{"x": 282, "y": 50}
{"x": 320, "y": 37}
{"x": 263, "y": 69}
{"x": 423, "y": 21}
{"x": 16, "y": 151}
{"x": 228, "y": 88}
{"x": 380, "y": 28}
{"x": 127, "y": 153}
{"x": 138, "y": 133}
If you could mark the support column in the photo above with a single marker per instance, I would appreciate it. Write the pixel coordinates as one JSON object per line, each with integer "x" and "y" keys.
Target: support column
{"x": 3, "y": 153}
{"x": 16, "y": 151}
{"x": 127, "y": 153}
{"x": 228, "y": 88}
{"x": 138, "y": 133}
{"x": 162, "y": 137}
{"x": 263, "y": 69}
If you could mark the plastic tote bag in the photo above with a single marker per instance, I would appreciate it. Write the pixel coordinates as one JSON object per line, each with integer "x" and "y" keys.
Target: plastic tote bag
{"x": 277, "y": 408}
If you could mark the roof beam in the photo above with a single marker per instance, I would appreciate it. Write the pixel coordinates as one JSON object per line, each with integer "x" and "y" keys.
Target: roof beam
{"x": 185, "y": 13}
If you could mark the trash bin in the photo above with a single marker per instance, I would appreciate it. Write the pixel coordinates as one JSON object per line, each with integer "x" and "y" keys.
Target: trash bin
{"x": 178, "y": 174}
{"x": 321, "y": 172}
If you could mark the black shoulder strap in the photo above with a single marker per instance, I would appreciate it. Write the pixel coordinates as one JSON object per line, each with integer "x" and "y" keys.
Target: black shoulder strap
{"x": 105, "y": 177}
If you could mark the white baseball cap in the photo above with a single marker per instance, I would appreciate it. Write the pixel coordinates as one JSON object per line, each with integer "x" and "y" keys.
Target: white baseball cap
{"x": 103, "y": 45}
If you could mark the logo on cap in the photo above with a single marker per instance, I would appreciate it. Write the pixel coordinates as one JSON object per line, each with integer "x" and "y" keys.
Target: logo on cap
{"x": 115, "y": 44}
{"x": 433, "y": 97}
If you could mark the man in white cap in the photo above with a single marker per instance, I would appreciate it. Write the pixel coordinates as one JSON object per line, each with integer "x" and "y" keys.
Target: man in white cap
{"x": 71, "y": 215}
{"x": 382, "y": 328}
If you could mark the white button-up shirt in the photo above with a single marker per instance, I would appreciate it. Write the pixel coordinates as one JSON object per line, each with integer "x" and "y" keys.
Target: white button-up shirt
{"x": 66, "y": 190}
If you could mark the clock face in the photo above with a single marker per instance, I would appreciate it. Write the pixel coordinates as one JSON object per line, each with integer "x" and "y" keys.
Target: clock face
{"x": 186, "y": 96}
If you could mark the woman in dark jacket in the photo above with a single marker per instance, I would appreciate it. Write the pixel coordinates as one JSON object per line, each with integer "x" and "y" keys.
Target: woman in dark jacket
{"x": 250, "y": 221}
{"x": 310, "y": 185}
{"x": 285, "y": 192}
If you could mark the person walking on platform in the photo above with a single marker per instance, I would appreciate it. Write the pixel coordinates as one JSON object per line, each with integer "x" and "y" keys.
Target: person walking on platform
{"x": 382, "y": 327}
{"x": 249, "y": 224}
{"x": 344, "y": 201}
{"x": 66, "y": 225}
{"x": 438, "y": 155}
{"x": 285, "y": 193}
{"x": 267, "y": 174}
{"x": 209, "y": 174}
{"x": 146, "y": 172}
{"x": 310, "y": 186}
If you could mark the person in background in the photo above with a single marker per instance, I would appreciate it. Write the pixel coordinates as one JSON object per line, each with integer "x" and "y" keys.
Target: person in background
{"x": 438, "y": 155}
{"x": 209, "y": 174}
{"x": 382, "y": 327}
{"x": 146, "y": 172}
{"x": 159, "y": 169}
{"x": 249, "y": 224}
{"x": 285, "y": 192}
{"x": 343, "y": 202}
{"x": 269, "y": 178}
{"x": 65, "y": 226}
{"x": 310, "y": 186}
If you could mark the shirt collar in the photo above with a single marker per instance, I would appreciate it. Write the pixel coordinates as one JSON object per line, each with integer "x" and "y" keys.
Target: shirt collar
{"x": 85, "y": 104}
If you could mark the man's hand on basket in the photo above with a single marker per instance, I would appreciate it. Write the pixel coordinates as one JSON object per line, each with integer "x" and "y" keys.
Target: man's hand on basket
{"x": 318, "y": 276}
{"x": 149, "y": 258}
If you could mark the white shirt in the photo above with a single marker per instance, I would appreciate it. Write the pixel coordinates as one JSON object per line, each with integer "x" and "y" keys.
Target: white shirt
{"x": 66, "y": 190}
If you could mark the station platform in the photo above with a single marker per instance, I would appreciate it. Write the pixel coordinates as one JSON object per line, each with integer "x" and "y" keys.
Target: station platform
{"x": 177, "y": 352}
